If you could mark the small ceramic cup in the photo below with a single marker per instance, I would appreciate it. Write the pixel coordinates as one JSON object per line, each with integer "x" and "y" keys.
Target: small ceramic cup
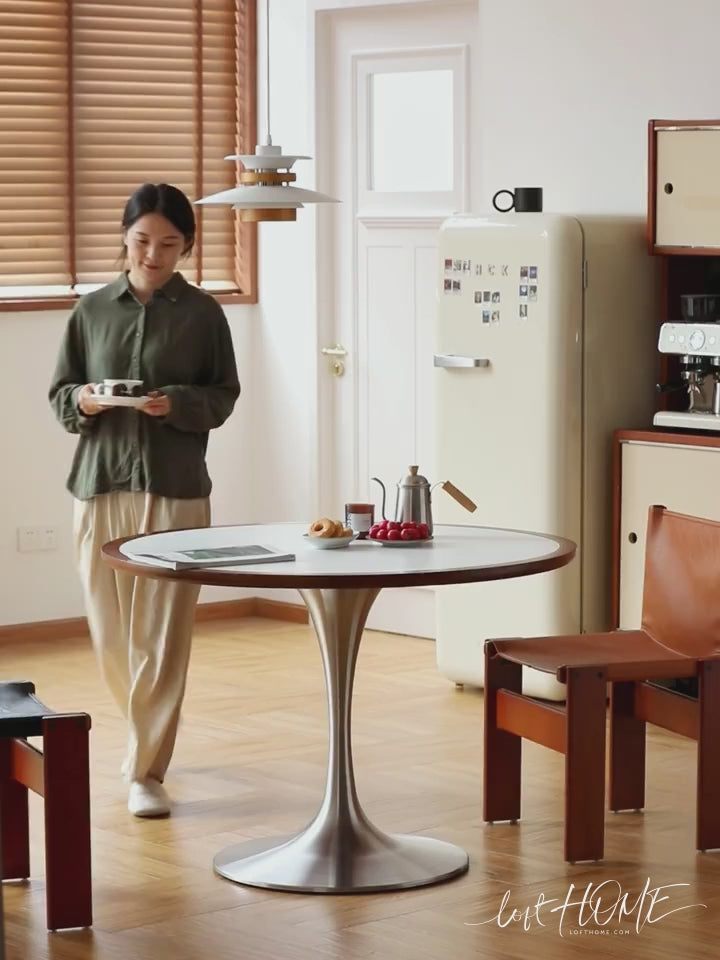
{"x": 359, "y": 517}
{"x": 121, "y": 388}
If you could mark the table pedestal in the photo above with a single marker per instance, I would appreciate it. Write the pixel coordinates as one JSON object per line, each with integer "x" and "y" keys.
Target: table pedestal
{"x": 340, "y": 851}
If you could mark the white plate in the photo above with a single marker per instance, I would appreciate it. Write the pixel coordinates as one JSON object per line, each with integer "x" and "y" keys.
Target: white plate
{"x": 328, "y": 543}
{"x": 401, "y": 543}
{"x": 103, "y": 401}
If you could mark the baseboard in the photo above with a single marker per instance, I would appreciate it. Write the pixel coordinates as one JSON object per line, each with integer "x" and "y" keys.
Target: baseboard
{"x": 43, "y": 630}
{"x": 76, "y": 627}
{"x": 280, "y": 610}
{"x": 226, "y": 609}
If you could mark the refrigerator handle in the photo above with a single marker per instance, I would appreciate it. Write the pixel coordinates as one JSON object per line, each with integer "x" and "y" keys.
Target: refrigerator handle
{"x": 453, "y": 360}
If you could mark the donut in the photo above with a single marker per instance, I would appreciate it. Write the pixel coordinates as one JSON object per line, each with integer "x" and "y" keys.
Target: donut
{"x": 322, "y": 528}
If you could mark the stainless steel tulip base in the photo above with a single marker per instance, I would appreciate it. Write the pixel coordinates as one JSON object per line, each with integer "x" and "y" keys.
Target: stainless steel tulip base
{"x": 340, "y": 851}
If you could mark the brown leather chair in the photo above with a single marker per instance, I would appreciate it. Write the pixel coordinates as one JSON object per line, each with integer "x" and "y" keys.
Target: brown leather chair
{"x": 60, "y": 774}
{"x": 679, "y": 637}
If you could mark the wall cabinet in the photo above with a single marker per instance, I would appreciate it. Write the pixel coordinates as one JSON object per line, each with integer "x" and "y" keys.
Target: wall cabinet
{"x": 684, "y": 186}
{"x": 683, "y": 224}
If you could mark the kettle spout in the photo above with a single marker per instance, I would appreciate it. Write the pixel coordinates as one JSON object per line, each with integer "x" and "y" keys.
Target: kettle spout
{"x": 382, "y": 487}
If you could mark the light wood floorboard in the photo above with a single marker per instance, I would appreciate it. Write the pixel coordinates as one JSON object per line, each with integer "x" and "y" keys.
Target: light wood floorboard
{"x": 250, "y": 762}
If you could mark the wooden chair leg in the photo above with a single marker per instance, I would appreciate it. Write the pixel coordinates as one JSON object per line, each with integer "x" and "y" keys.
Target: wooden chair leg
{"x": 14, "y": 825}
{"x": 708, "y": 769}
{"x": 626, "y": 789}
{"x": 585, "y": 765}
{"x": 503, "y": 750}
{"x": 67, "y": 821}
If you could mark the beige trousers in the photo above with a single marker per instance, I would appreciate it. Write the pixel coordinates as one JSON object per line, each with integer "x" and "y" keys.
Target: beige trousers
{"x": 141, "y": 628}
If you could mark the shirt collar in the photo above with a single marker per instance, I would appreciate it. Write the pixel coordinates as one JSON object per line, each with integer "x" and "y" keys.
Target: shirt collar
{"x": 118, "y": 287}
{"x": 172, "y": 289}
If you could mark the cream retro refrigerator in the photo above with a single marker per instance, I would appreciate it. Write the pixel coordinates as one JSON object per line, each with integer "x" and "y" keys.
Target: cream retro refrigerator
{"x": 545, "y": 344}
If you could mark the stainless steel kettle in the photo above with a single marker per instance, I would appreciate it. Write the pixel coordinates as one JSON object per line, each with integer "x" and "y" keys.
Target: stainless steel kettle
{"x": 414, "y": 498}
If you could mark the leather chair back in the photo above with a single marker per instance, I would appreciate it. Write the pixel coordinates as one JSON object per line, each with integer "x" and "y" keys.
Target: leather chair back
{"x": 681, "y": 595}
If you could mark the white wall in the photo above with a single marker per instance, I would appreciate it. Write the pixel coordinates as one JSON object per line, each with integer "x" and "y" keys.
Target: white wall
{"x": 286, "y": 345}
{"x": 564, "y": 92}
{"x": 567, "y": 88}
{"x": 36, "y": 458}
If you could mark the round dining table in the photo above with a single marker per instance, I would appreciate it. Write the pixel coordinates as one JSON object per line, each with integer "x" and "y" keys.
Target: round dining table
{"x": 341, "y": 850}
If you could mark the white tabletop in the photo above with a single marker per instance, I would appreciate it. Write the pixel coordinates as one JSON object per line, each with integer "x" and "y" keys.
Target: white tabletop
{"x": 455, "y": 554}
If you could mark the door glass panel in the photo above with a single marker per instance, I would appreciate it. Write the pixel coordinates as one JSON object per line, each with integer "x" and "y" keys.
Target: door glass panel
{"x": 411, "y": 118}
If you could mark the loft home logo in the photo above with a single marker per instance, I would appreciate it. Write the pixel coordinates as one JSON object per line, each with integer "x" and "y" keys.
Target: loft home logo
{"x": 598, "y": 911}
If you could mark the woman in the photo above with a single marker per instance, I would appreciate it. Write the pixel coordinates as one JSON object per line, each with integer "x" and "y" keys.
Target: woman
{"x": 141, "y": 470}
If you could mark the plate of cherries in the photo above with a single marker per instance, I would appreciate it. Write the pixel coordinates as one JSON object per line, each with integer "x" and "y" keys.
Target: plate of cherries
{"x": 393, "y": 533}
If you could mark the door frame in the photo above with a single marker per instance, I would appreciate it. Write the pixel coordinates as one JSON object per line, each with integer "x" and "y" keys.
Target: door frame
{"x": 319, "y": 14}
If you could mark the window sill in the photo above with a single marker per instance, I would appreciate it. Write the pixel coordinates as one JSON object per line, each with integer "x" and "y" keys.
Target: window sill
{"x": 20, "y": 305}
{"x": 236, "y": 297}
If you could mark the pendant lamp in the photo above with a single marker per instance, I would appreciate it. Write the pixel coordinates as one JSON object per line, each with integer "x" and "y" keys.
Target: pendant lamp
{"x": 264, "y": 192}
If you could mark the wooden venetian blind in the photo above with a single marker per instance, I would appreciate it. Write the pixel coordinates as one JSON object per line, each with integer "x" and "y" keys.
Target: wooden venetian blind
{"x": 99, "y": 96}
{"x": 33, "y": 143}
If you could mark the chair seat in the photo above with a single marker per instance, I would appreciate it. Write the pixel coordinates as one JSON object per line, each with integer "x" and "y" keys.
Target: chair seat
{"x": 21, "y": 713}
{"x": 624, "y": 654}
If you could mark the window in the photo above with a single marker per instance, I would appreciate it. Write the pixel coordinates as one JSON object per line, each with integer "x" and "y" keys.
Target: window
{"x": 412, "y": 130}
{"x": 99, "y": 96}
{"x": 405, "y": 106}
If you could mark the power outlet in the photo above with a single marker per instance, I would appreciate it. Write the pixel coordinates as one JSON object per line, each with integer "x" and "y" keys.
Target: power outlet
{"x": 32, "y": 539}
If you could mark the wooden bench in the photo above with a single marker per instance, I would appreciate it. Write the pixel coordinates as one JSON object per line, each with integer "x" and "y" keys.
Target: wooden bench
{"x": 60, "y": 774}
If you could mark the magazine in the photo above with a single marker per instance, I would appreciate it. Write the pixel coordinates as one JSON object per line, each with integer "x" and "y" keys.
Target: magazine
{"x": 218, "y": 556}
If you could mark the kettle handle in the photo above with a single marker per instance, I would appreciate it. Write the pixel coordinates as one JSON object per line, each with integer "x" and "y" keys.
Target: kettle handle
{"x": 382, "y": 487}
{"x": 458, "y": 495}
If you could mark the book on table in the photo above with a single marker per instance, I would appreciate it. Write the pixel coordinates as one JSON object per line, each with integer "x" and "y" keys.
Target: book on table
{"x": 232, "y": 556}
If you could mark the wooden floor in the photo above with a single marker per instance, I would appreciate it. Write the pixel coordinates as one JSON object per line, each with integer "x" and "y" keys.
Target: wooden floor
{"x": 250, "y": 763}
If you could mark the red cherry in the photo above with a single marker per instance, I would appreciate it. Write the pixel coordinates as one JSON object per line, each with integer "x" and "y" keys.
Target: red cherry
{"x": 394, "y": 525}
{"x": 408, "y": 525}
{"x": 393, "y": 535}
{"x": 382, "y": 524}
{"x": 409, "y": 534}
{"x": 381, "y": 534}
{"x": 423, "y": 531}
{"x": 373, "y": 529}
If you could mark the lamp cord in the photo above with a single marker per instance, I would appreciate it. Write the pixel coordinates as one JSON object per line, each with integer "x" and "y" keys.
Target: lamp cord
{"x": 268, "y": 138}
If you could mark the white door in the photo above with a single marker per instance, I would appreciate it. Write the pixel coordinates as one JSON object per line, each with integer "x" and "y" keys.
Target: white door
{"x": 393, "y": 143}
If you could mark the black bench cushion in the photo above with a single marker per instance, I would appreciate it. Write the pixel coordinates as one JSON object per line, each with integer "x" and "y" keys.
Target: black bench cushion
{"x": 21, "y": 712}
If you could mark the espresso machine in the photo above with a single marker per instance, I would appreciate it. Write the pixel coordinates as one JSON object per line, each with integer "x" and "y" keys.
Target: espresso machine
{"x": 696, "y": 343}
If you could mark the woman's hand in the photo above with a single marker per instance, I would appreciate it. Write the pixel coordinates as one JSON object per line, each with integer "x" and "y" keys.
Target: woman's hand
{"x": 85, "y": 402}
{"x": 158, "y": 405}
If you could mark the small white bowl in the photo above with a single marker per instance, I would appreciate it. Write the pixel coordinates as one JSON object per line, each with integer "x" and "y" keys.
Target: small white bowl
{"x": 328, "y": 543}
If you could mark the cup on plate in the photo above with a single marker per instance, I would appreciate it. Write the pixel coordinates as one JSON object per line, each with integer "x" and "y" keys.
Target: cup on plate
{"x": 359, "y": 517}
{"x": 121, "y": 388}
